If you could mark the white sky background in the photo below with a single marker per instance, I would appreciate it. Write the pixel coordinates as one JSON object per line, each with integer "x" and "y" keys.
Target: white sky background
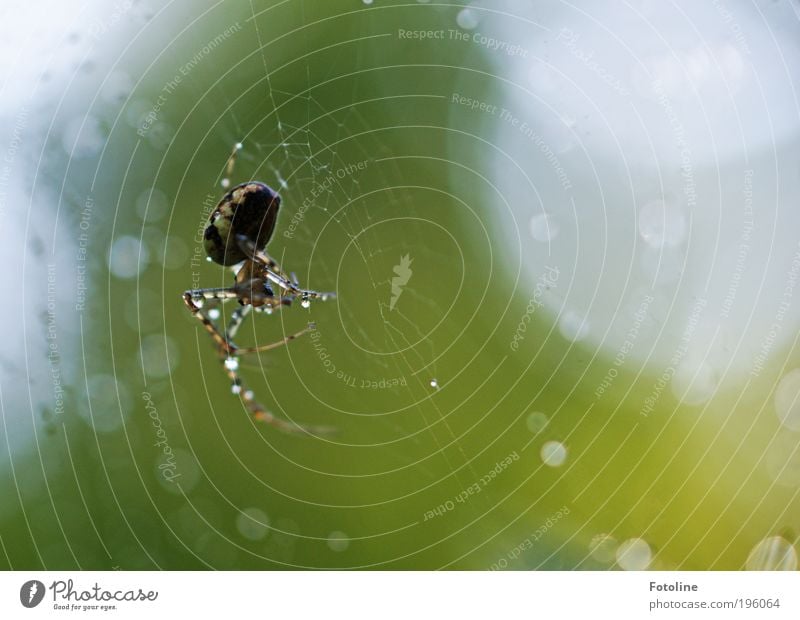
{"x": 730, "y": 86}
{"x": 42, "y": 47}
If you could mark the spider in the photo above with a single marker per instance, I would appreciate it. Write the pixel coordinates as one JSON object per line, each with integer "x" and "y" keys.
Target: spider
{"x": 236, "y": 236}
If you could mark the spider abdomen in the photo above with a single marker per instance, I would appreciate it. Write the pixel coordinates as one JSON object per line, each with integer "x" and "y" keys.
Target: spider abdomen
{"x": 249, "y": 209}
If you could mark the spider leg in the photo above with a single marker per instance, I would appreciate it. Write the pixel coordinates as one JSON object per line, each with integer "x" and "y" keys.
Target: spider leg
{"x": 274, "y": 345}
{"x": 229, "y": 352}
{"x": 190, "y": 298}
{"x": 258, "y": 411}
{"x": 249, "y": 248}
{"x": 237, "y": 317}
{"x": 224, "y": 340}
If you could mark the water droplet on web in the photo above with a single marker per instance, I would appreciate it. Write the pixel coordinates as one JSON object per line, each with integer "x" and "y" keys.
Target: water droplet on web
{"x": 83, "y": 136}
{"x": 603, "y": 548}
{"x": 267, "y": 310}
{"x": 662, "y": 224}
{"x": 236, "y": 389}
{"x": 338, "y": 541}
{"x": 116, "y": 88}
{"x": 306, "y": 303}
{"x": 252, "y": 523}
{"x": 213, "y": 313}
{"x": 787, "y": 400}
{"x": 434, "y": 384}
{"x": 152, "y": 205}
{"x": 160, "y": 135}
{"x": 573, "y": 327}
{"x": 128, "y": 257}
{"x": 467, "y": 19}
{"x": 367, "y": 1}
{"x": 225, "y": 183}
{"x": 178, "y": 473}
{"x": 773, "y": 553}
{"x": 544, "y": 228}
{"x": 249, "y": 395}
{"x": 634, "y": 554}
{"x": 232, "y": 364}
{"x": 553, "y": 453}
{"x": 694, "y": 382}
{"x": 568, "y": 120}
{"x": 783, "y": 459}
{"x": 107, "y": 414}
{"x": 208, "y": 259}
{"x": 136, "y": 111}
{"x": 239, "y": 146}
{"x": 159, "y": 355}
{"x": 536, "y": 421}
{"x": 176, "y": 253}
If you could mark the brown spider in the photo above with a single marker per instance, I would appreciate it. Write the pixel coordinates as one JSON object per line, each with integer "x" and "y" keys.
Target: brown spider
{"x": 237, "y": 234}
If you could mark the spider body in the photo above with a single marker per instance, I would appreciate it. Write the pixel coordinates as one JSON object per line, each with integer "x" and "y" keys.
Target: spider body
{"x": 236, "y": 236}
{"x": 249, "y": 209}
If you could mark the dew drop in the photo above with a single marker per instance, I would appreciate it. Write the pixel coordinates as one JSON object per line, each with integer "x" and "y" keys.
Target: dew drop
{"x": 117, "y": 87}
{"x": 178, "y": 474}
{"x": 787, "y": 400}
{"x": 783, "y": 459}
{"x": 573, "y": 327}
{"x": 553, "y": 453}
{"x": 136, "y": 111}
{"x": 152, "y": 205}
{"x": 159, "y": 355}
{"x": 634, "y": 554}
{"x": 694, "y": 382}
{"x": 236, "y": 389}
{"x": 662, "y": 224}
{"x": 239, "y": 146}
{"x": 248, "y": 395}
{"x": 544, "y": 228}
{"x": 225, "y": 183}
{"x": 128, "y": 257}
{"x": 83, "y": 136}
{"x": 467, "y": 19}
{"x": 213, "y": 313}
{"x": 603, "y": 547}
{"x": 536, "y": 421}
{"x": 338, "y": 541}
{"x": 306, "y": 303}
{"x": 232, "y": 364}
{"x": 176, "y": 253}
{"x": 107, "y": 414}
{"x": 367, "y": 2}
{"x": 160, "y": 135}
{"x": 773, "y": 553}
{"x": 252, "y": 523}
{"x": 208, "y": 259}
{"x": 434, "y": 384}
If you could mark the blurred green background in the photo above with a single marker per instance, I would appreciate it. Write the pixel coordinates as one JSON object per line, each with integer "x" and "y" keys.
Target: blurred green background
{"x": 479, "y": 456}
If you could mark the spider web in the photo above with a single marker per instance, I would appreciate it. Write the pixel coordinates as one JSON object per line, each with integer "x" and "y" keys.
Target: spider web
{"x": 299, "y": 159}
